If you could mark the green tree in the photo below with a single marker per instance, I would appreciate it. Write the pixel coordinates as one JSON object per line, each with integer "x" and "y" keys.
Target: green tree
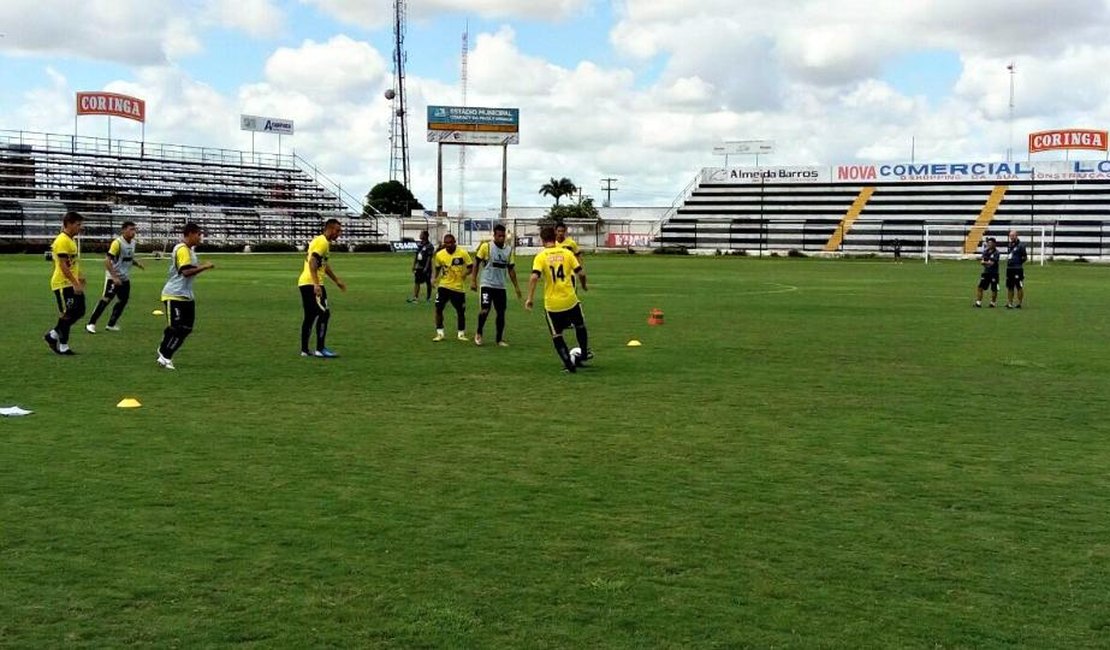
{"x": 391, "y": 197}
{"x": 557, "y": 189}
{"x": 583, "y": 210}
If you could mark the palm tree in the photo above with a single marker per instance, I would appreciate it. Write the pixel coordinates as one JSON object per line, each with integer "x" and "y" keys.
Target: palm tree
{"x": 557, "y": 189}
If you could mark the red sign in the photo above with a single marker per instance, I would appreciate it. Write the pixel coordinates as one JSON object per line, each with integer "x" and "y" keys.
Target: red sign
{"x": 626, "y": 240}
{"x": 115, "y": 105}
{"x": 1067, "y": 139}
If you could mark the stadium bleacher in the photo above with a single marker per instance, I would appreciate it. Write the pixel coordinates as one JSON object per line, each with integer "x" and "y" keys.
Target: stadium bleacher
{"x": 238, "y": 197}
{"x": 861, "y": 217}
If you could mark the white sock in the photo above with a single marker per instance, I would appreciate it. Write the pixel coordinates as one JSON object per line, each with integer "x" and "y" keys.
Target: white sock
{"x": 62, "y": 347}
{"x": 439, "y": 330}
{"x": 53, "y": 334}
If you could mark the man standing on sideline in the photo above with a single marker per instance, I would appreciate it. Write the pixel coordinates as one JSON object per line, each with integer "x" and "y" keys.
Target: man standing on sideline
{"x": 117, "y": 278}
{"x": 177, "y": 294}
{"x": 989, "y": 277}
{"x": 499, "y": 261}
{"x": 452, "y": 266}
{"x": 66, "y": 283}
{"x": 422, "y": 268}
{"x": 556, "y": 265}
{"x": 1015, "y": 272}
{"x": 314, "y": 296}
{"x": 897, "y": 251}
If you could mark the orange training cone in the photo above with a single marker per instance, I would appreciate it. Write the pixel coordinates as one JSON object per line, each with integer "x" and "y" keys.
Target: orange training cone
{"x": 655, "y": 317}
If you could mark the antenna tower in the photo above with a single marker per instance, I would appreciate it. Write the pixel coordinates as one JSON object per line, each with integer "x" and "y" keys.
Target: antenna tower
{"x": 462, "y": 150}
{"x": 399, "y": 126}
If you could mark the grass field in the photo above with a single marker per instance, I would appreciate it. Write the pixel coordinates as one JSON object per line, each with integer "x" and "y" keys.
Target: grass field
{"x": 808, "y": 454}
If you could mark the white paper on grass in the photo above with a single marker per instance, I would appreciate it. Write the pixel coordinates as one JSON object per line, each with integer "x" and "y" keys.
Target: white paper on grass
{"x": 13, "y": 411}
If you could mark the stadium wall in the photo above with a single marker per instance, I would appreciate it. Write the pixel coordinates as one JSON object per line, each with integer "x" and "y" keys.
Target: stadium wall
{"x": 865, "y": 209}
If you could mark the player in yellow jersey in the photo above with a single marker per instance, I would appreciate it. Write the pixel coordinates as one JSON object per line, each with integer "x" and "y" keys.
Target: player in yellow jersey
{"x": 565, "y": 241}
{"x": 558, "y": 266}
{"x": 314, "y": 296}
{"x": 66, "y": 283}
{"x": 452, "y": 268}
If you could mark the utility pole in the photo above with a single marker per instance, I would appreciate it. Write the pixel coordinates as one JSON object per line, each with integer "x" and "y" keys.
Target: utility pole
{"x": 608, "y": 189}
{"x": 1010, "y": 148}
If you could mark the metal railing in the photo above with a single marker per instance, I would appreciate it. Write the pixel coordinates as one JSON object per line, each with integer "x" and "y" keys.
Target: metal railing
{"x": 83, "y": 144}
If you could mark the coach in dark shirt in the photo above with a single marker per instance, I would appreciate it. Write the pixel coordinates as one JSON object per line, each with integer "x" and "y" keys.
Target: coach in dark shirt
{"x": 1015, "y": 272}
{"x": 989, "y": 277}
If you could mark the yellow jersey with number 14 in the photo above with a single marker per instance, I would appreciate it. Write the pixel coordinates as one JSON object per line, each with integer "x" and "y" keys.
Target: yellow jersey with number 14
{"x": 557, "y": 266}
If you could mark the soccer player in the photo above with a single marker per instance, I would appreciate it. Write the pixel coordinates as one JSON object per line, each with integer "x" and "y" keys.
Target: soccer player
{"x": 897, "y": 251}
{"x": 557, "y": 265}
{"x": 314, "y": 296}
{"x": 564, "y": 240}
{"x": 496, "y": 261}
{"x": 66, "y": 283}
{"x": 422, "y": 268}
{"x": 117, "y": 278}
{"x": 989, "y": 277}
{"x": 452, "y": 266}
{"x": 177, "y": 294}
{"x": 1015, "y": 272}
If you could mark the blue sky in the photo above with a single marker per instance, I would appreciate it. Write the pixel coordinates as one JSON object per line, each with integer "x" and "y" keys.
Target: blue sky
{"x": 637, "y": 89}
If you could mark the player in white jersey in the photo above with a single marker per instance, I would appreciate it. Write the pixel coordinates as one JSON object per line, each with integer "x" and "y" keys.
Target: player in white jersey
{"x": 495, "y": 262}
{"x": 117, "y": 278}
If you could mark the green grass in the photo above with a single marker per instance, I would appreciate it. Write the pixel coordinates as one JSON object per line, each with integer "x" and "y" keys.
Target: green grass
{"x": 808, "y": 454}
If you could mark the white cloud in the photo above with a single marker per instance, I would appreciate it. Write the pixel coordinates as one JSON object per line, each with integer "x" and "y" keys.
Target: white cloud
{"x": 132, "y": 32}
{"x": 376, "y": 13}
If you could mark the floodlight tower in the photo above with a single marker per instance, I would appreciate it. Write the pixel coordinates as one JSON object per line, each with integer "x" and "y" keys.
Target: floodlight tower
{"x": 462, "y": 150}
{"x": 399, "y": 127}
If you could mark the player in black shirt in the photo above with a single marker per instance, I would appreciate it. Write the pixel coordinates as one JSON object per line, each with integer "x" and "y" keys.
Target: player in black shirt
{"x": 422, "y": 268}
{"x": 989, "y": 277}
{"x": 1015, "y": 272}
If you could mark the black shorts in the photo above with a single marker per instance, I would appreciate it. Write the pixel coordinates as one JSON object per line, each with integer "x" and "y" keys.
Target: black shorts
{"x": 557, "y": 321}
{"x": 111, "y": 290}
{"x": 496, "y": 298}
{"x": 456, "y": 298}
{"x": 421, "y": 276}
{"x": 1015, "y": 278}
{"x": 181, "y": 313}
{"x": 70, "y": 303}
{"x": 311, "y": 304}
{"x": 989, "y": 281}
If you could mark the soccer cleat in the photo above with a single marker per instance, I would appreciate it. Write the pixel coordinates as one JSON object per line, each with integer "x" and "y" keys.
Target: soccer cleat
{"x": 112, "y": 328}
{"x": 589, "y": 354}
{"x": 462, "y": 337}
{"x": 437, "y": 338}
{"x": 569, "y": 371}
{"x": 326, "y": 354}
{"x": 502, "y": 344}
{"x": 90, "y": 328}
{"x": 66, "y": 352}
{"x": 51, "y": 341}
{"x": 1009, "y": 306}
{"x": 165, "y": 363}
{"x": 1017, "y": 306}
{"x": 992, "y": 305}
{"x": 306, "y": 353}
{"x": 477, "y": 339}
{"x": 978, "y": 304}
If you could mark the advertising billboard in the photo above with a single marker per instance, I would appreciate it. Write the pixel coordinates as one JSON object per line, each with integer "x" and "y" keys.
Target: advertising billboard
{"x": 112, "y": 105}
{"x": 473, "y": 125}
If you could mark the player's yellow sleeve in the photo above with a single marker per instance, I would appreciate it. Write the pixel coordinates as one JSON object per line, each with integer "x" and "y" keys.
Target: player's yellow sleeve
{"x": 113, "y": 250}
{"x": 183, "y": 258}
{"x": 483, "y": 252}
{"x": 538, "y": 262}
{"x": 467, "y": 258}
